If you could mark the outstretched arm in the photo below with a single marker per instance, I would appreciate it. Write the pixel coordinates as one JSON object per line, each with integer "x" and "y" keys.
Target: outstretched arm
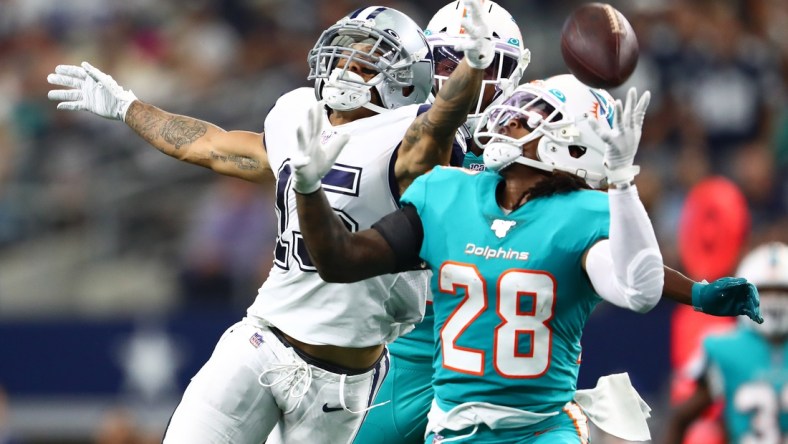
{"x": 627, "y": 269}
{"x": 238, "y": 154}
{"x": 726, "y": 296}
{"x": 428, "y": 141}
{"x": 338, "y": 254}
{"x": 234, "y": 153}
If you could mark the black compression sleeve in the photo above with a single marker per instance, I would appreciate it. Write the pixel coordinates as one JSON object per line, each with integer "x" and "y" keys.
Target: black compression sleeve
{"x": 404, "y": 233}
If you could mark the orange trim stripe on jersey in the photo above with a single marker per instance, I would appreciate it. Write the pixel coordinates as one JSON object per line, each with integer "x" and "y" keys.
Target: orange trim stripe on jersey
{"x": 579, "y": 419}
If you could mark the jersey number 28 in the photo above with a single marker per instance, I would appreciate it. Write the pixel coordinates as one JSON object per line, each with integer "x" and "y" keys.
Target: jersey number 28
{"x": 526, "y": 300}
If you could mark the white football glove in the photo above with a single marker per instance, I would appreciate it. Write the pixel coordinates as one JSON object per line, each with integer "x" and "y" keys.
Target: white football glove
{"x": 313, "y": 159}
{"x": 478, "y": 47}
{"x": 623, "y": 139}
{"x": 92, "y": 91}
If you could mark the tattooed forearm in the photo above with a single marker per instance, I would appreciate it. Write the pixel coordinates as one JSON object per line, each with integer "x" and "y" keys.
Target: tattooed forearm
{"x": 179, "y": 131}
{"x": 241, "y": 162}
{"x": 455, "y": 99}
{"x": 163, "y": 130}
{"x": 452, "y": 105}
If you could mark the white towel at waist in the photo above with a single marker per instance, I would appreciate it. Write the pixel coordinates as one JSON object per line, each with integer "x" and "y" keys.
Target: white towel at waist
{"x": 616, "y": 407}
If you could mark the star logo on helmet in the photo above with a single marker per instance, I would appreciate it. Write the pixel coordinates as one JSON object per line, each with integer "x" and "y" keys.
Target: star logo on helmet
{"x": 393, "y": 33}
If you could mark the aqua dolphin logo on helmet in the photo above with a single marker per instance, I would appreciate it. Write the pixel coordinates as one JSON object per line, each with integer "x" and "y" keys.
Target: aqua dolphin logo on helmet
{"x": 605, "y": 108}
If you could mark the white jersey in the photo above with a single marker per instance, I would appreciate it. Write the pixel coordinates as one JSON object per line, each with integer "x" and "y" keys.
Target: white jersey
{"x": 361, "y": 188}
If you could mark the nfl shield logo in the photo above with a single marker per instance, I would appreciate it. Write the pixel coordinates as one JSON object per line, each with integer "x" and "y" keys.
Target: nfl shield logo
{"x": 256, "y": 340}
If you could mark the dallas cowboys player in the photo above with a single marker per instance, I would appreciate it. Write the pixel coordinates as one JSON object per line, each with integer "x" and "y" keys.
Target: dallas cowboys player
{"x": 529, "y": 256}
{"x": 754, "y": 390}
{"x": 308, "y": 359}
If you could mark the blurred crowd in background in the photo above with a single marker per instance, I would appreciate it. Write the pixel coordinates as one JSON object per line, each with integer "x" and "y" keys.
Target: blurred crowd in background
{"x": 96, "y": 224}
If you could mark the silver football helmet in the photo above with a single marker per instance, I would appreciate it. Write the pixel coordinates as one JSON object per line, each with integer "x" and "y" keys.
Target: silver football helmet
{"x": 557, "y": 111}
{"x": 767, "y": 268}
{"x": 381, "y": 40}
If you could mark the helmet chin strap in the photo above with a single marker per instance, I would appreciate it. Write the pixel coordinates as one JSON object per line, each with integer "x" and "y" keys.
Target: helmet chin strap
{"x": 371, "y": 106}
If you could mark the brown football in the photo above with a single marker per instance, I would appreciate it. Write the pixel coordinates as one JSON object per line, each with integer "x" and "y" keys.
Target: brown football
{"x": 599, "y": 46}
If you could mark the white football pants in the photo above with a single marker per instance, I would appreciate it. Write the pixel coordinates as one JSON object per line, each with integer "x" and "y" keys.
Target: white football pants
{"x": 254, "y": 388}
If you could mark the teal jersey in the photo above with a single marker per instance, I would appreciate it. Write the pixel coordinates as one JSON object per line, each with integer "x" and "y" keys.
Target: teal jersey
{"x": 509, "y": 293}
{"x": 751, "y": 375}
{"x": 473, "y": 162}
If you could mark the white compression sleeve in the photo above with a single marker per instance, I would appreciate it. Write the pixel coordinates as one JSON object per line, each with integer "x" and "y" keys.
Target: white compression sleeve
{"x": 632, "y": 253}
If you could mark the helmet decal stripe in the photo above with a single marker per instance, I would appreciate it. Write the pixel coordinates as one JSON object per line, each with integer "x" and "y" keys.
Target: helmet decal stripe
{"x": 368, "y": 13}
{"x": 376, "y": 12}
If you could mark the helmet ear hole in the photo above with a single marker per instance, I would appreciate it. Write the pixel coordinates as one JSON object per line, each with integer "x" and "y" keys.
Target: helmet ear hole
{"x": 408, "y": 90}
{"x": 577, "y": 151}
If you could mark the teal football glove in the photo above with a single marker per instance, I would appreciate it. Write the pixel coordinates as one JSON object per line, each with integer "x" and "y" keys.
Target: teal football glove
{"x": 727, "y": 296}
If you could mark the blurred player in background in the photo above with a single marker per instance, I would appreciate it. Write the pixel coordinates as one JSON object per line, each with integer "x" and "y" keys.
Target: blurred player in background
{"x": 407, "y": 390}
{"x": 308, "y": 359}
{"x": 747, "y": 369}
{"x": 510, "y": 306}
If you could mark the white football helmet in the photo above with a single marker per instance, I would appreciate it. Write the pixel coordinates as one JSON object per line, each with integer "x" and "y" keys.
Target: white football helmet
{"x": 380, "y": 39}
{"x": 557, "y": 111}
{"x": 511, "y": 57}
{"x": 767, "y": 268}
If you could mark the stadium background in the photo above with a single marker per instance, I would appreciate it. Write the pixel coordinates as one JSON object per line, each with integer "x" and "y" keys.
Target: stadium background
{"x": 120, "y": 267}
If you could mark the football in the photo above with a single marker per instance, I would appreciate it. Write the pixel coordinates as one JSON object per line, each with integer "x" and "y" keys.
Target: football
{"x": 599, "y": 46}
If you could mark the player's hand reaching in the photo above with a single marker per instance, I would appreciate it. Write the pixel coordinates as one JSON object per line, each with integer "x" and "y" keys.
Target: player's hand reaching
{"x": 90, "y": 90}
{"x": 313, "y": 159}
{"x": 727, "y": 296}
{"x": 479, "y": 49}
{"x": 623, "y": 139}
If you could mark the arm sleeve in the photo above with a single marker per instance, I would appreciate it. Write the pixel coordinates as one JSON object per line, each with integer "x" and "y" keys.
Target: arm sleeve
{"x": 403, "y": 231}
{"x": 631, "y": 253}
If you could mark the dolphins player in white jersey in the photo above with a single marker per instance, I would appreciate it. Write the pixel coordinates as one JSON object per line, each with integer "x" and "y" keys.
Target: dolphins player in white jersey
{"x": 306, "y": 362}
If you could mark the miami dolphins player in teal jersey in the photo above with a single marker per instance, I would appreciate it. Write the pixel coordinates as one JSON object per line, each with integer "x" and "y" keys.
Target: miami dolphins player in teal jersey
{"x": 531, "y": 252}
{"x": 754, "y": 390}
{"x": 405, "y": 396}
